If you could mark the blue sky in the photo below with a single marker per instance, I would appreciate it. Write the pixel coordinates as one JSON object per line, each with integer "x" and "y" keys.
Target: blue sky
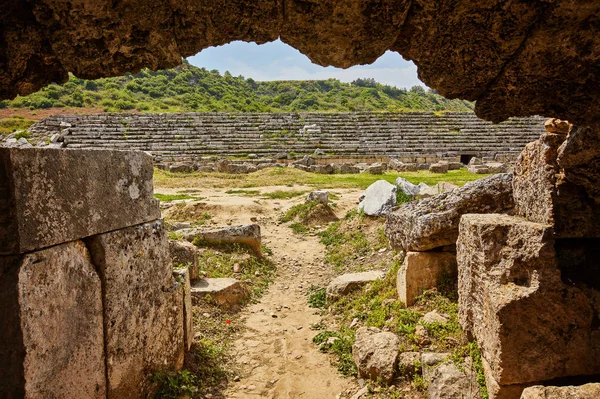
{"x": 278, "y": 61}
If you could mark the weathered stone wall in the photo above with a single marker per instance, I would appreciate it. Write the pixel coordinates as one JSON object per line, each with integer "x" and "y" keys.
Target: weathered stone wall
{"x": 419, "y": 137}
{"x": 88, "y": 303}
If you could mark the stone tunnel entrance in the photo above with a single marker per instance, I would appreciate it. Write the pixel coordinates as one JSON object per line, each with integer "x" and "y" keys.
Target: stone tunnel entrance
{"x": 527, "y": 281}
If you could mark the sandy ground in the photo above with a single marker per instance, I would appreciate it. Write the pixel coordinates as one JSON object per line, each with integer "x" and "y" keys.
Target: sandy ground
{"x": 275, "y": 350}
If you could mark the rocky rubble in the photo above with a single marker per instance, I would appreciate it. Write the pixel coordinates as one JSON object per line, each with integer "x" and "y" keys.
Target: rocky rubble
{"x": 379, "y": 199}
{"x": 433, "y": 222}
{"x": 375, "y": 354}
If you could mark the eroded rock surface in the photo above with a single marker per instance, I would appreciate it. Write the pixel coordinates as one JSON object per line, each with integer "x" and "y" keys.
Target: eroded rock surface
{"x": 51, "y": 339}
{"x": 346, "y": 283}
{"x": 375, "y": 353}
{"x": 514, "y": 60}
{"x": 52, "y": 196}
{"x": 433, "y": 222}
{"x": 587, "y": 391}
{"x": 150, "y": 334}
{"x": 529, "y": 325}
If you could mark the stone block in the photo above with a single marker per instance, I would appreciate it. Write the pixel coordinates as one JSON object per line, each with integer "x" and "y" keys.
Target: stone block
{"x": 433, "y": 222}
{"x": 379, "y": 198}
{"x": 346, "y": 283}
{"x": 185, "y": 254}
{"x": 555, "y": 182}
{"x": 183, "y": 277}
{"x": 143, "y": 307}
{"x": 439, "y": 168}
{"x": 529, "y": 325}
{"x": 246, "y": 234}
{"x": 51, "y": 339}
{"x": 375, "y": 354}
{"x": 587, "y": 391}
{"x": 422, "y": 271}
{"x": 53, "y": 196}
{"x": 228, "y": 293}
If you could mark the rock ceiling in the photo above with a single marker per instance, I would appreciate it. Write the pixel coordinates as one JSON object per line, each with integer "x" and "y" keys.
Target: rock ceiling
{"x": 514, "y": 57}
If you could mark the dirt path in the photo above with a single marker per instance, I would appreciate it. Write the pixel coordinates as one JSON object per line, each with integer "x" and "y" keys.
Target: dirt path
{"x": 279, "y": 358}
{"x": 275, "y": 352}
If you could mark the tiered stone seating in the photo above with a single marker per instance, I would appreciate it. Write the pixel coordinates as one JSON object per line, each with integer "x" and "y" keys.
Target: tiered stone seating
{"x": 406, "y": 135}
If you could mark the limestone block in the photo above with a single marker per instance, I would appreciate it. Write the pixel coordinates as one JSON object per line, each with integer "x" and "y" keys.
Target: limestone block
{"x": 246, "y": 234}
{"x": 228, "y": 293}
{"x": 143, "y": 307}
{"x": 421, "y": 271}
{"x": 433, "y": 222}
{"x": 344, "y": 284}
{"x": 375, "y": 354}
{"x": 52, "y": 196}
{"x": 587, "y": 391}
{"x": 438, "y": 168}
{"x": 529, "y": 325}
{"x": 183, "y": 277}
{"x": 561, "y": 195}
{"x": 379, "y": 198}
{"x": 51, "y": 339}
{"x": 185, "y": 254}
{"x": 450, "y": 382}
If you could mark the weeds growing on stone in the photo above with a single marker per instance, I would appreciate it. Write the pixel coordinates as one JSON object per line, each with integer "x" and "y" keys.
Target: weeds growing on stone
{"x": 300, "y": 211}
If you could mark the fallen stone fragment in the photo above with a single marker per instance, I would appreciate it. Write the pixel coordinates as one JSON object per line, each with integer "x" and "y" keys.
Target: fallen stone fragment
{"x": 375, "y": 354}
{"x": 429, "y": 361}
{"x": 69, "y": 201}
{"x": 399, "y": 166}
{"x": 360, "y": 393}
{"x": 375, "y": 169}
{"x": 247, "y": 234}
{"x": 379, "y": 198}
{"x": 185, "y": 255}
{"x": 422, "y": 271}
{"x": 587, "y": 391}
{"x": 228, "y": 293}
{"x": 346, "y": 283}
{"x": 438, "y": 168}
{"x": 407, "y": 187}
{"x": 433, "y": 222}
{"x": 479, "y": 169}
{"x": 320, "y": 196}
{"x": 408, "y": 362}
{"x": 449, "y": 382}
{"x": 434, "y": 317}
{"x": 181, "y": 167}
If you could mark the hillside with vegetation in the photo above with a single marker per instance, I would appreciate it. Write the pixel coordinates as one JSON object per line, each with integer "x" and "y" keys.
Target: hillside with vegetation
{"x": 188, "y": 88}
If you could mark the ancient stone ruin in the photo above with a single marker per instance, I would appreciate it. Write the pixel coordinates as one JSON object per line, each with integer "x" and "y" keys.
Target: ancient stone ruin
{"x": 527, "y": 270}
{"x": 415, "y": 137}
{"x": 90, "y": 307}
{"x": 528, "y": 281}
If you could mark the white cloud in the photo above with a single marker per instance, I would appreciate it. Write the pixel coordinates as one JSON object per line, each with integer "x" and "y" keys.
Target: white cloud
{"x": 278, "y": 61}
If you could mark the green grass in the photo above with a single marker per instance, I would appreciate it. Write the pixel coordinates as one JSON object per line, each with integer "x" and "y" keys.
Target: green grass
{"x": 174, "y": 385}
{"x": 174, "y": 197}
{"x": 341, "y": 348}
{"x": 12, "y": 124}
{"x": 256, "y": 272}
{"x": 300, "y": 212}
{"x": 292, "y": 176}
{"x": 317, "y": 297}
{"x": 299, "y": 228}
